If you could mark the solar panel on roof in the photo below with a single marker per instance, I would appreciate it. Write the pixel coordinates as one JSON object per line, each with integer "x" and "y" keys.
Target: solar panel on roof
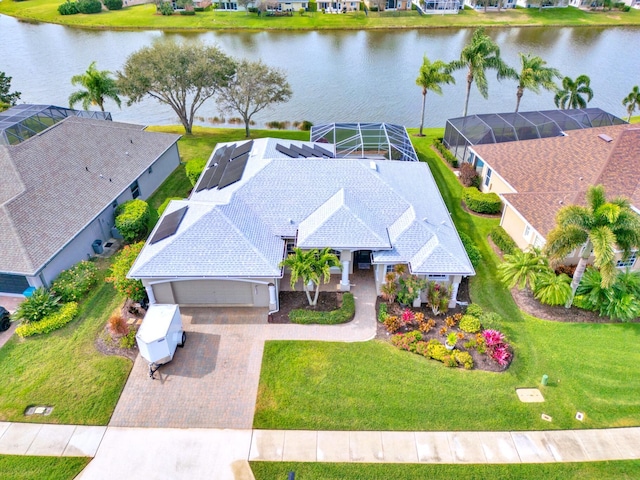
{"x": 298, "y": 150}
{"x": 169, "y": 225}
{"x": 234, "y": 171}
{"x": 242, "y": 149}
{"x": 205, "y": 179}
{"x": 309, "y": 152}
{"x": 286, "y": 151}
{"x": 218, "y": 155}
{"x": 323, "y": 152}
{"x": 217, "y": 175}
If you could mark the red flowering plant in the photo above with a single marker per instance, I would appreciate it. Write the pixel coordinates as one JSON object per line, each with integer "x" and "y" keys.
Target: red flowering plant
{"x": 496, "y": 346}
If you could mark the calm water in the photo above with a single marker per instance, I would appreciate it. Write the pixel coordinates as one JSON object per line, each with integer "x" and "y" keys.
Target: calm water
{"x": 335, "y": 76}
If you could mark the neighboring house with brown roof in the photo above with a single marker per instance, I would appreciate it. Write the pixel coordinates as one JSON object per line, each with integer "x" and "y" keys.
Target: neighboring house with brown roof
{"x": 59, "y": 190}
{"x": 535, "y": 178}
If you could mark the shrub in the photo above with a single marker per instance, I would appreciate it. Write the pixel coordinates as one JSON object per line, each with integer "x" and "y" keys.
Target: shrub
{"x": 276, "y": 125}
{"x": 493, "y": 337}
{"x": 128, "y": 340}
{"x": 474, "y": 309}
{"x": 452, "y": 320}
{"x": 463, "y": 358}
{"x": 425, "y": 327}
{"x": 182, "y": 12}
{"x": 341, "y": 315}
{"x": 132, "y": 219}
{"x": 194, "y": 169}
{"x": 118, "y": 324}
{"x": 51, "y": 322}
{"x": 552, "y": 289}
{"x": 407, "y": 341}
{"x": 39, "y": 305}
{"x": 122, "y": 264}
{"x": 503, "y": 240}
{"x": 389, "y": 290}
{"x": 305, "y": 125}
{"x": 409, "y": 288}
{"x": 72, "y": 284}
{"x": 382, "y": 312}
{"x": 501, "y": 354}
{"x": 449, "y": 361}
{"x": 421, "y": 348}
{"x": 408, "y": 316}
{"x": 469, "y": 176}
{"x": 438, "y": 297}
{"x": 392, "y": 323}
{"x": 479, "y": 202}
{"x": 469, "y": 324}
{"x": 68, "y": 8}
{"x": 436, "y": 350}
{"x": 449, "y": 157}
{"x": 472, "y": 251}
{"x": 491, "y": 320}
{"x": 165, "y": 8}
{"x": 113, "y": 4}
{"x": 89, "y": 6}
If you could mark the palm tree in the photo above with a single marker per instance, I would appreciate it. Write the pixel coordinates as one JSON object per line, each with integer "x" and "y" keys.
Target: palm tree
{"x": 552, "y": 289}
{"x": 523, "y": 268}
{"x": 571, "y": 94}
{"x": 533, "y": 75}
{"x": 632, "y": 101}
{"x": 310, "y": 266}
{"x": 431, "y": 76}
{"x": 98, "y": 85}
{"x": 481, "y": 54}
{"x": 601, "y": 227}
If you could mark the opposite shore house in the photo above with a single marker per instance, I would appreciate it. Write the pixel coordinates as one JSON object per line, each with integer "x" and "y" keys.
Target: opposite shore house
{"x": 258, "y": 199}
{"x": 63, "y": 175}
{"x": 535, "y": 178}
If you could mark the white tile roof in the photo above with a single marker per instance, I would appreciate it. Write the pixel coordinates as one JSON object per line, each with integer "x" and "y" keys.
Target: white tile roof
{"x": 394, "y": 209}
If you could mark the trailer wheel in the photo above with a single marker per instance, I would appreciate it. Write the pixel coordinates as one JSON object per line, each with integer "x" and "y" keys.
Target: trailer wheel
{"x": 184, "y": 339}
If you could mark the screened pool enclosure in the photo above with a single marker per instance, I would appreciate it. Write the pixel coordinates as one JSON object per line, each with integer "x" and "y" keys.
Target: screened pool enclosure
{"x": 462, "y": 132}
{"x": 24, "y": 121}
{"x": 382, "y": 141}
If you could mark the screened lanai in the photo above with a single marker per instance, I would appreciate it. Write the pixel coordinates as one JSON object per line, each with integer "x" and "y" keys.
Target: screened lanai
{"x": 366, "y": 140}
{"x": 24, "y": 121}
{"x": 460, "y": 133}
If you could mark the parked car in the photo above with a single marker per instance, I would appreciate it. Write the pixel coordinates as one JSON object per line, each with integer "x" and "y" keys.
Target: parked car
{"x": 5, "y": 319}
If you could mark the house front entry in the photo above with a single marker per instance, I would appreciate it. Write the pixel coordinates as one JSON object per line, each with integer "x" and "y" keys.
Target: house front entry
{"x": 361, "y": 260}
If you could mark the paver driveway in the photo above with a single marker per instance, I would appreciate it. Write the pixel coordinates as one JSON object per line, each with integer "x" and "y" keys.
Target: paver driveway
{"x": 211, "y": 383}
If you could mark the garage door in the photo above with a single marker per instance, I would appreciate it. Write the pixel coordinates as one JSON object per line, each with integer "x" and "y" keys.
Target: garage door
{"x": 211, "y": 292}
{"x": 13, "y": 283}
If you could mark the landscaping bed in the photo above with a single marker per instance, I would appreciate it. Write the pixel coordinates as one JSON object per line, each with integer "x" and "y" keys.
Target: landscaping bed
{"x": 291, "y": 300}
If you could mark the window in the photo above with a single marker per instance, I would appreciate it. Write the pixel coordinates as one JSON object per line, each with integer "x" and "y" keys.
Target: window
{"x": 291, "y": 244}
{"x": 527, "y": 232}
{"x": 438, "y": 278}
{"x": 627, "y": 263}
{"x": 150, "y": 171}
{"x": 389, "y": 268}
{"x": 487, "y": 179}
{"x": 135, "y": 189}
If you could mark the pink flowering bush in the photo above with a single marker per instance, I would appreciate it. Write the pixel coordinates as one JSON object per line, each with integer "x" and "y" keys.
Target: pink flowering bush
{"x": 501, "y": 354}
{"x": 497, "y": 348}
{"x": 408, "y": 316}
{"x": 493, "y": 337}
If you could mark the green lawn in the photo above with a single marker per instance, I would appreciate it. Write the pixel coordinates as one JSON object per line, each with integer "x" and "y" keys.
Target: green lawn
{"x": 371, "y": 386}
{"x": 619, "y": 470}
{"x": 14, "y": 467}
{"x": 145, "y": 17}
{"x": 64, "y": 370}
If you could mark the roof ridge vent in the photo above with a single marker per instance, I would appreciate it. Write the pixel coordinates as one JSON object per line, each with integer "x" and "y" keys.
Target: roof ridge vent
{"x": 605, "y": 137}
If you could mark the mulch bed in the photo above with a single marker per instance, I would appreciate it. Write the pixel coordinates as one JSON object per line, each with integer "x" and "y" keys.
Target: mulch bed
{"x": 108, "y": 343}
{"x": 327, "y": 302}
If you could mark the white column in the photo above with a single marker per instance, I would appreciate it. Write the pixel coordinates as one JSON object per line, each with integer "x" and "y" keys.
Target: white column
{"x": 455, "y": 283}
{"x": 345, "y": 286}
{"x": 152, "y": 298}
{"x": 272, "y": 297}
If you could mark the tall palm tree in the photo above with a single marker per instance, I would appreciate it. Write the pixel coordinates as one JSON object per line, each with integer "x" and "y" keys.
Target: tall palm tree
{"x": 601, "y": 226}
{"x": 533, "y": 75}
{"x": 98, "y": 85}
{"x": 480, "y": 54}
{"x": 431, "y": 76}
{"x": 632, "y": 101}
{"x": 311, "y": 266}
{"x": 571, "y": 93}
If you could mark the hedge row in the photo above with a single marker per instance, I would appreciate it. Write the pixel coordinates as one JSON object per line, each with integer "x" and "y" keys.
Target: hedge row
{"x": 472, "y": 251}
{"x": 446, "y": 154}
{"x": 503, "y": 240}
{"x": 50, "y": 323}
{"x": 479, "y": 202}
{"x": 342, "y": 315}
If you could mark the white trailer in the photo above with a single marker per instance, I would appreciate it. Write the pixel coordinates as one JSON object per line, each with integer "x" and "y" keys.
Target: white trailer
{"x": 159, "y": 335}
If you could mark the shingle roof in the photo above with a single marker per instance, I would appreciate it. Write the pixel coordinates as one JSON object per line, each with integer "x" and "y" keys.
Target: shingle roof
{"x": 60, "y": 180}
{"x": 550, "y": 173}
{"x": 341, "y": 203}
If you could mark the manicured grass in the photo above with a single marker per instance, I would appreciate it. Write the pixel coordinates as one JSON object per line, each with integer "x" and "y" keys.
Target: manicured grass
{"x": 619, "y": 470}
{"x": 145, "y": 17}
{"x": 371, "y": 386}
{"x": 64, "y": 370}
{"x": 14, "y": 467}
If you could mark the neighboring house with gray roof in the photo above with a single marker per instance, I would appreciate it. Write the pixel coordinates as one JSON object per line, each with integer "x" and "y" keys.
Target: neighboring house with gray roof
{"x": 253, "y": 204}
{"x": 59, "y": 189}
{"x": 535, "y": 178}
